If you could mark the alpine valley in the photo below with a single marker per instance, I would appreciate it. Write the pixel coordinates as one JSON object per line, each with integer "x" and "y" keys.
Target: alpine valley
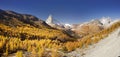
{"x": 24, "y": 35}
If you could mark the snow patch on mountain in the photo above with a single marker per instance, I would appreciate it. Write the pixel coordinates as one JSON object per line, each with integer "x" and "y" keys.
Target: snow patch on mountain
{"x": 69, "y": 25}
{"x": 114, "y": 21}
{"x": 105, "y": 21}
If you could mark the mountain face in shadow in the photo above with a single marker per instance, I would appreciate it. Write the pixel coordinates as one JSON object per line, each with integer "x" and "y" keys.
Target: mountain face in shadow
{"x": 12, "y": 18}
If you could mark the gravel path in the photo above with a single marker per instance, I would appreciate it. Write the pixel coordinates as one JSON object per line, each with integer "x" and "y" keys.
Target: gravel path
{"x": 108, "y": 47}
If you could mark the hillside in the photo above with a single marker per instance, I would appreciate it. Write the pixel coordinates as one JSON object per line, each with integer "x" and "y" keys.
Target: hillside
{"x": 102, "y": 44}
{"x": 108, "y": 47}
{"x": 27, "y": 26}
{"x": 12, "y": 18}
{"x": 54, "y": 48}
{"x": 93, "y": 26}
{"x": 25, "y": 35}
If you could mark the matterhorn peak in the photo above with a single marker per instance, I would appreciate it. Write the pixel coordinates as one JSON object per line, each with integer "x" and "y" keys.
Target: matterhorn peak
{"x": 53, "y": 22}
{"x": 49, "y": 20}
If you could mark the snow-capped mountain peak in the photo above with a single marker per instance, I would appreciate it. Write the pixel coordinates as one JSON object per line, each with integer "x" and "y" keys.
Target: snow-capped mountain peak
{"x": 54, "y": 23}
{"x": 105, "y": 20}
{"x": 68, "y": 24}
{"x": 49, "y": 20}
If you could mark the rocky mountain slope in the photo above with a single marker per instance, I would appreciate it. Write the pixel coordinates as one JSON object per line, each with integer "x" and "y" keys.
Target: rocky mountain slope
{"x": 13, "y": 24}
{"x": 108, "y": 46}
{"x": 93, "y": 26}
{"x": 12, "y": 18}
{"x": 83, "y": 29}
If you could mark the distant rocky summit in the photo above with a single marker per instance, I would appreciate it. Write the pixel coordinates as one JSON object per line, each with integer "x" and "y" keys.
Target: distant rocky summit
{"x": 83, "y": 29}
{"x": 55, "y": 23}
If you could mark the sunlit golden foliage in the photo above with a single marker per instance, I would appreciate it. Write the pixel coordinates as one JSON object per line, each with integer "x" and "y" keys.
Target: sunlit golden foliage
{"x": 41, "y": 52}
{"x": 6, "y": 50}
{"x": 19, "y": 54}
{"x": 39, "y": 47}
{"x": 55, "y": 54}
{"x": 91, "y": 39}
{"x": 30, "y": 32}
{"x": 36, "y": 47}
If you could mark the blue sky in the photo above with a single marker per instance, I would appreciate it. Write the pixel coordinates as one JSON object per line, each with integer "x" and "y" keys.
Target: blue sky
{"x": 66, "y": 11}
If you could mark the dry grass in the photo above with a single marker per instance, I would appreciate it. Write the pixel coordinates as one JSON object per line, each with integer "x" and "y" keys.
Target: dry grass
{"x": 38, "y": 47}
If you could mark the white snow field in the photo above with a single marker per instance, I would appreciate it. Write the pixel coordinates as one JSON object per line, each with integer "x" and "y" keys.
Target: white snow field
{"x": 108, "y": 47}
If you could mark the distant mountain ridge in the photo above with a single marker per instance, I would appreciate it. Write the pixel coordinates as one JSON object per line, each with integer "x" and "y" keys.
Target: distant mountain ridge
{"x": 13, "y": 19}
{"x": 91, "y": 27}
{"x": 85, "y": 28}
